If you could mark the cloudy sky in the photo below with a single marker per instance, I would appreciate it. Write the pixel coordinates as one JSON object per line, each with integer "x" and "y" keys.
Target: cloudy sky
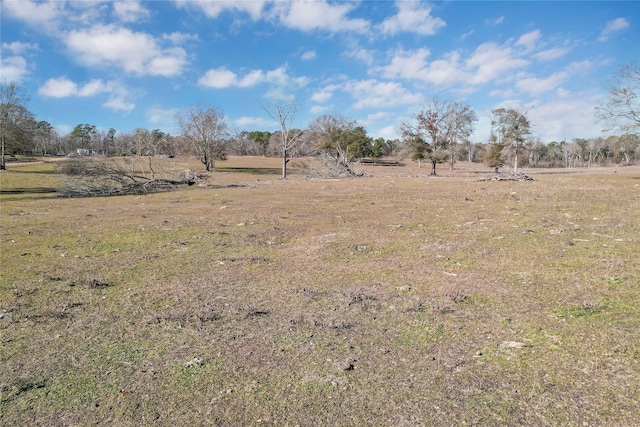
{"x": 131, "y": 64}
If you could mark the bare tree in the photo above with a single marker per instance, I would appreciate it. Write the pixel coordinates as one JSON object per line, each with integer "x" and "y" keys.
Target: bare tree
{"x": 327, "y": 133}
{"x": 458, "y": 127}
{"x": 289, "y": 137}
{"x": 205, "y": 128}
{"x": 627, "y": 145}
{"x": 42, "y": 137}
{"x": 148, "y": 144}
{"x": 440, "y": 126}
{"x": 621, "y": 108}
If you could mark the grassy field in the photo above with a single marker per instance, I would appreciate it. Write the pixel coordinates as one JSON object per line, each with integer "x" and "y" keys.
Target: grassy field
{"x": 393, "y": 299}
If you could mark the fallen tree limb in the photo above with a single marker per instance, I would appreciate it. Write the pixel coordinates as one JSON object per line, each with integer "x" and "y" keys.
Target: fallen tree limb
{"x": 509, "y": 176}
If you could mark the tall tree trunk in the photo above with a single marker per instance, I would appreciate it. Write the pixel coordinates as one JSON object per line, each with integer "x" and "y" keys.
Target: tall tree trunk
{"x": 284, "y": 165}
{"x": 433, "y": 168}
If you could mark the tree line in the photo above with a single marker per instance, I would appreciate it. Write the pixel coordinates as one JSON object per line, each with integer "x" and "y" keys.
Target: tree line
{"x": 439, "y": 133}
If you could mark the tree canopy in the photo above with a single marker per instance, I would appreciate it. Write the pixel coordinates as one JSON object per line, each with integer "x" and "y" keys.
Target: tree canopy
{"x": 16, "y": 121}
{"x": 510, "y": 127}
{"x": 205, "y": 128}
{"x": 620, "y": 110}
{"x": 439, "y": 126}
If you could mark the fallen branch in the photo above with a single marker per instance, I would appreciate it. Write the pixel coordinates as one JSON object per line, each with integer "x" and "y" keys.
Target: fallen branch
{"x": 510, "y": 176}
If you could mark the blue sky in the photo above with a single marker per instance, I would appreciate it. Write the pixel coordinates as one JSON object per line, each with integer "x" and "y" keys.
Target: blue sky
{"x": 134, "y": 64}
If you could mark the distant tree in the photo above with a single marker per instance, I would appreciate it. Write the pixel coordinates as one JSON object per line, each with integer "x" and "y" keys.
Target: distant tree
{"x": 536, "y": 151}
{"x": 205, "y": 128}
{"x": 262, "y": 139}
{"x": 109, "y": 141}
{"x": 420, "y": 149}
{"x": 379, "y": 148}
{"x": 495, "y": 156}
{"x": 42, "y": 135}
{"x": 394, "y": 148}
{"x": 358, "y": 143}
{"x": 329, "y": 136}
{"x": 511, "y": 127}
{"x": 593, "y": 150}
{"x": 85, "y": 133}
{"x": 289, "y": 138}
{"x": 16, "y": 121}
{"x": 627, "y": 145}
{"x": 241, "y": 144}
{"x": 441, "y": 125}
{"x": 458, "y": 127}
{"x": 149, "y": 144}
{"x": 620, "y": 110}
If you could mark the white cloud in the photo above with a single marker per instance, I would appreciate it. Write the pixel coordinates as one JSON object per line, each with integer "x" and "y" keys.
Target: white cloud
{"x": 564, "y": 117}
{"x": 374, "y": 94}
{"x": 43, "y": 15}
{"x": 254, "y": 78}
{"x": 212, "y": 9}
{"x": 388, "y": 133}
{"x": 537, "y": 86}
{"x": 19, "y": 48}
{"x": 169, "y": 62}
{"x": 119, "y": 104}
{"x": 488, "y": 62}
{"x": 258, "y": 122}
{"x": 62, "y": 87}
{"x": 613, "y": 27}
{"x": 380, "y": 115}
{"x": 130, "y": 10}
{"x": 221, "y": 78}
{"x": 413, "y": 65}
{"x": 308, "y": 55}
{"x": 552, "y": 119}
{"x": 529, "y": 40}
{"x": 319, "y": 15}
{"x": 406, "y": 64}
{"x": 318, "y": 109}
{"x": 491, "y": 61}
{"x": 324, "y": 94}
{"x": 14, "y": 68}
{"x": 162, "y": 116}
{"x": 58, "y": 88}
{"x": 178, "y": 38}
{"x": 503, "y": 93}
{"x": 138, "y": 53}
{"x": 497, "y": 21}
{"x": 92, "y": 88}
{"x": 412, "y": 16}
{"x": 551, "y": 54}
{"x": 465, "y": 35}
{"x": 83, "y": 12}
{"x": 445, "y": 71}
{"x": 360, "y": 54}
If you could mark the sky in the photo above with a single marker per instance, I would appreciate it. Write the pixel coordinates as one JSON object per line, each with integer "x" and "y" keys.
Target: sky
{"x": 135, "y": 64}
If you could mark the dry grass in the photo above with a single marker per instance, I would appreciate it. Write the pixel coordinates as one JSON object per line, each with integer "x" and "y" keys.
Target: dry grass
{"x": 394, "y": 299}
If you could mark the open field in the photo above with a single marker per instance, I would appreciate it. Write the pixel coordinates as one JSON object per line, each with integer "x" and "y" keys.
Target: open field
{"x": 394, "y": 299}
